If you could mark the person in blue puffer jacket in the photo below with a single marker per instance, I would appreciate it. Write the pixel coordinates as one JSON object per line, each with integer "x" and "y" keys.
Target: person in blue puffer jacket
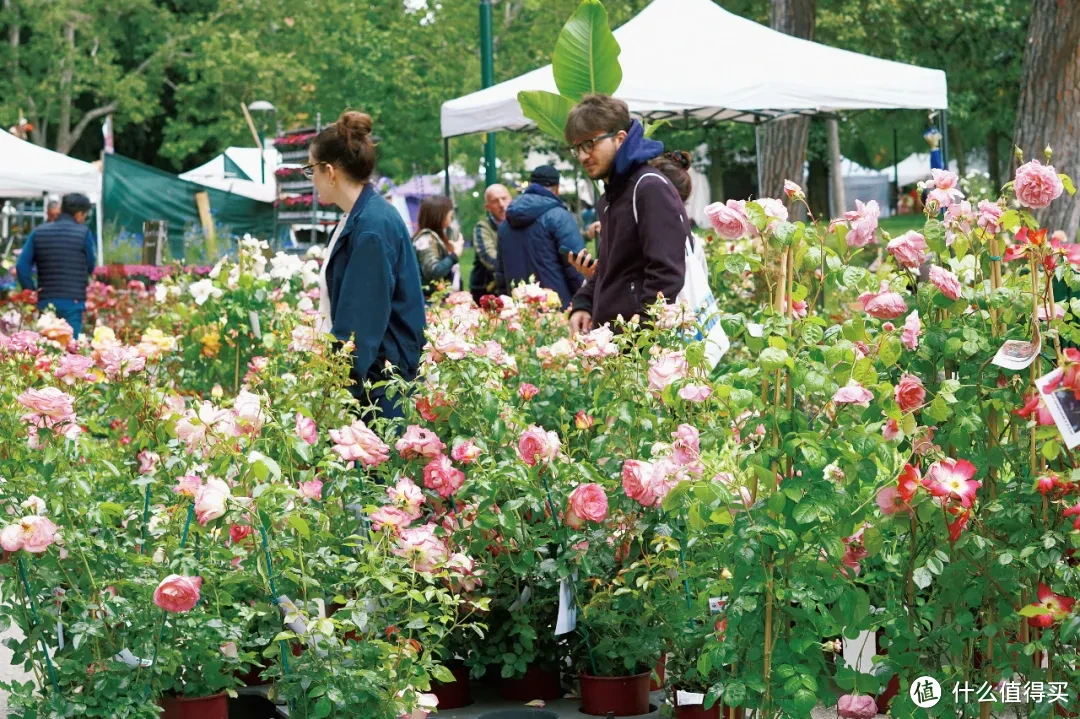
{"x": 537, "y": 225}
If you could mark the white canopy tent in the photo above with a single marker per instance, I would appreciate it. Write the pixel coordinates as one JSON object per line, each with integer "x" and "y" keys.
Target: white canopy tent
{"x": 29, "y": 170}
{"x": 222, "y": 173}
{"x": 726, "y": 67}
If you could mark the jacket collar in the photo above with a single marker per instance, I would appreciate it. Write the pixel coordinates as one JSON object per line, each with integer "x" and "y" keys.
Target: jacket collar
{"x": 635, "y": 151}
{"x": 354, "y": 214}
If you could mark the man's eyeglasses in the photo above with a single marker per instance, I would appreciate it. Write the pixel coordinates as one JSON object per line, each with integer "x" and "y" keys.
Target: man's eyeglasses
{"x": 587, "y": 146}
{"x": 309, "y": 170}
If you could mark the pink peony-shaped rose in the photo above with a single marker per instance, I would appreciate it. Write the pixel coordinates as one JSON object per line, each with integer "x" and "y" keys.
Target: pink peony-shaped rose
{"x": 856, "y": 707}
{"x": 358, "y": 443}
{"x": 686, "y": 446}
{"x": 587, "y": 503}
{"x": 406, "y": 496}
{"x": 177, "y": 593}
{"x": 33, "y": 533}
{"x": 148, "y": 461}
{"x": 909, "y": 249}
{"x": 49, "y": 407}
{"x": 945, "y": 281}
{"x": 910, "y": 393}
{"x": 306, "y": 429}
{"x": 912, "y": 330}
{"x": 391, "y": 518}
{"x": 211, "y": 501}
{"x": 637, "y": 481}
{"x": 1037, "y": 185}
{"x": 729, "y": 220}
{"x": 421, "y": 547}
{"x": 883, "y": 304}
{"x": 121, "y": 361}
{"x": 864, "y": 222}
{"x": 466, "y": 452}
{"x": 695, "y": 392}
{"x": 527, "y": 391}
{"x": 73, "y": 368}
{"x": 442, "y": 477}
{"x": 311, "y": 490}
{"x": 990, "y": 216}
{"x": 188, "y": 485}
{"x": 419, "y": 442}
{"x": 853, "y": 393}
{"x": 537, "y": 445}
{"x": 668, "y": 367}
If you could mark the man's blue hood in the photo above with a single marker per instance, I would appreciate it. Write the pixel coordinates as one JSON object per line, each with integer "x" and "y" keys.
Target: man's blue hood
{"x": 634, "y": 152}
{"x": 530, "y": 205}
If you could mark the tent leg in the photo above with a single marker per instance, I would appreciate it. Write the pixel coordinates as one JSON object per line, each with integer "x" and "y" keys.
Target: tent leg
{"x": 760, "y": 160}
{"x": 945, "y": 138}
{"x": 446, "y": 165}
{"x": 896, "y": 166}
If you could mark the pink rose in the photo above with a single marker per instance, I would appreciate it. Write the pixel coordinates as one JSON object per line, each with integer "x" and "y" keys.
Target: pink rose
{"x": 50, "y": 407}
{"x": 421, "y": 548}
{"x": 177, "y": 593}
{"x": 945, "y": 281}
{"x": 306, "y": 429}
{"x": 588, "y": 502}
{"x": 311, "y": 490}
{"x": 695, "y": 392}
{"x": 856, "y": 707}
{"x": 188, "y": 485}
{"x": 466, "y": 452}
{"x": 792, "y": 190}
{"x": 239, "y": 532}
{"x": 853, "y": 393}
{"x": 669, "y": 367}
{"x": 537, "y": 445}
{"x": 33, "y": 533}
{"x": 923, "y": 442}
{"x": 883, "y": 304}
{"x": 147, "y": 461}
{"x": 864, "y": 222}
{"x": 73, "y": 368}
{"x": 442, "y": 477}
{"x": 891, "y": 430}
{"x": 122, "y": 361}
{"x": 910, "y": 393}
{"x": 637, "y": 481}
{"x": 1037, "y": 185}
{"x": 449, "y": 346}
{"x": 390, "y": 517}
{"x": 585, "y": 421}
{"x": 358, "y": 443}
{"x": 686, "y": 446}
{"x": 527, "y": 391}
{"x": 406, "y": 496}
{"x": 419, "y": 442}
{"x": 889, "y": 501}
{"x": 729, "y": 220}
{"x": 465, "y": 568}
{"x": 247, "y": 410}
{"x": 211, "y": 501}
{"x": 775, "y": 210}
{"x": 912, "y": 330}
{"x": 909, "y": 249}
{"x": 990, "y": 216}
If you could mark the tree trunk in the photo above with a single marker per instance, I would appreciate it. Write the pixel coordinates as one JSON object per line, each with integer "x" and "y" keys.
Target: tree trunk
{"x": 817, "y": 187}
{"x": 957, "y": 150}
{"x": 716, "y": 172}
{"x": 838, "y": 202}
{"x": 783, "y": 142}
{"x": 1049, "y": 109}
{"x": 67, "y": 77}
{"x": 993, "y": 158}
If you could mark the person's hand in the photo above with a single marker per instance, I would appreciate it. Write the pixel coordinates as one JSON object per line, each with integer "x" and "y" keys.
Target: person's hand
{"x": 458, "y": 245}
{"x": 583, "y": 263}
{"x": 580, "y": 322}
{"x": 593, "y": 230}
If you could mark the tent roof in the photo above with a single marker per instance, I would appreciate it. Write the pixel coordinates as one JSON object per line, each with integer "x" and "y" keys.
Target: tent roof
{"x": 221, "y": 173}
{"x": 29, "y": 170}
{"x": 916, "y": 168}
{"x": 725, "y": 67}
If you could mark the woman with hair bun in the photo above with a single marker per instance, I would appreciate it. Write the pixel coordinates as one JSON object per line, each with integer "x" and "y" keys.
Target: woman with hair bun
{"x": 370, "y": 283}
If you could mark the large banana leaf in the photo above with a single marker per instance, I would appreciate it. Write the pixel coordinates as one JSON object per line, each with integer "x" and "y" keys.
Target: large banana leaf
{"x": 586, "y": 57}
{"x": 547, "y": 110}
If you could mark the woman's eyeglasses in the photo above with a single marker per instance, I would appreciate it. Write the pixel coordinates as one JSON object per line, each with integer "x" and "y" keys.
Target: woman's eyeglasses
{"x": 309, "y": 170}
{"x": 587, "y": 146}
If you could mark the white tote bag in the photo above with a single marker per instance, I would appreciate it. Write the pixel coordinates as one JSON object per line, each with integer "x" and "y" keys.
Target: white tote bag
{"x": 698, "y": 295}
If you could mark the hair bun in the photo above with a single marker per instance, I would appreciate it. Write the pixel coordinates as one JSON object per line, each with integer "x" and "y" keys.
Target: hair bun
{"x": 354, "y": 128}
{"x": 680, "y": 158}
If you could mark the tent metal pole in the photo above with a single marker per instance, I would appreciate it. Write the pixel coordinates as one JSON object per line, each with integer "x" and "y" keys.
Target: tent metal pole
{"x": 945, "y": 138}
{"x": 487, "y": 74}
{"x": 896, "y": 165}
{"x": 446, "y": 165}
{"x": 760, "y": 168}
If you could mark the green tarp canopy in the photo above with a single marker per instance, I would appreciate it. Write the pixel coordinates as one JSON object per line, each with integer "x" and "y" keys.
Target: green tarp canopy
{"x": 133, "y": 193}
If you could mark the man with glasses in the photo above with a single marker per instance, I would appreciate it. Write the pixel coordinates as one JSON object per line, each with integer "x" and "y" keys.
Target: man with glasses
{"x": 643, "y": 224}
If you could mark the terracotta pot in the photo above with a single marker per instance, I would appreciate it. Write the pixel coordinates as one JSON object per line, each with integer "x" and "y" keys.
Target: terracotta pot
{"x": 657, "y": 683}
{"x": 718, "y": 711}
{"x": 455, "y": 694}
{"x": 621, "y": 696}
{"x": 537, "y": 683}
{"x": 251, "y": 677}
{"x": 212, "y": 707}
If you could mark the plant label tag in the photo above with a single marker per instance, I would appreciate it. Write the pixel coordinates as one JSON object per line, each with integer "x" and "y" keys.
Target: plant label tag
{"x": 520, "y": 602}
{"x": 1017, "y": 355}
{"x": 253, "y": 319}
{"x": 567, "y": 620}
{"x": 716, "y": 604}
{"x": 683, "y": 699}
{"x": 288, "y": 607}
{"x": 130, "y": 659}
{"x": 1064, "y": 408}
{"x": 59, "y": 636}
{"x": 755, "y": 330}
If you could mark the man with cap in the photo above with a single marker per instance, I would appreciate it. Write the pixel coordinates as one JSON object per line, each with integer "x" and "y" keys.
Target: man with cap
{"x": 64, "y": 253}
{"x": 536, "y": 236}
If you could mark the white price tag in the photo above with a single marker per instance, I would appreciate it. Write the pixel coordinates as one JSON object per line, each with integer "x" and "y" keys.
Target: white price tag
{"x": 253, "y": 320}
{"x": 683, "y": 699}
{"x": 717, "y": 604}
{"x": 567, "y": 620}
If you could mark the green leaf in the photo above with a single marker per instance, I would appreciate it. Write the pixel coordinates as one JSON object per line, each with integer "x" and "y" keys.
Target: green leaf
{"x": 812, "y": 334}
{"x": 938, "y": 410}
{"x": 1033, "y": 610}
{"x": 442, "y": 674}
{"x": 734, "y": 694}
{"x": 547, "y": 110}
{"x": 1010, "y": 221}
{"x": 854, "y": 275}
{"x": 785, "y": 233}
{"x": 1067, "y": 183}
{"x": 890, "y": 351}
{"x": 586, "y": 56}
{"x": 772, "y": 358}
{"x": 776, "y": 502}
{"x": 805, "y": 512}
{"x": 300, "y": 525}
{"x": 805, "y": 700}
{"x": 922, "y": 577}
{"x": 934, "y": 233}
{"x": 934, "y": 565}
{"x": 322, "y": 708}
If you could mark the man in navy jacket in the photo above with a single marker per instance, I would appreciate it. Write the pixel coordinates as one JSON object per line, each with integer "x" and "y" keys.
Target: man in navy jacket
{"x": 537, "y": 224}
{"x": 64, "y": 253}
